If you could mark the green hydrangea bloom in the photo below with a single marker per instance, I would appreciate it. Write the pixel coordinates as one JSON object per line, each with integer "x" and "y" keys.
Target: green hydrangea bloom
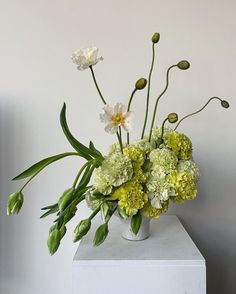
{"x": 190, "y": 167}
{"x": 184, "y": 185}
{"x": 115, "y": 170}
{"x": 164, "y": 159}
{"x": 151, "y": 212}
{"x": 179, "y": 144}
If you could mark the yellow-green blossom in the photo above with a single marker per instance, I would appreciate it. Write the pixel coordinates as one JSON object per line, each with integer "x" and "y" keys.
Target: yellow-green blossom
{"x": 156, "y": 132}
{"x": 184, "y": 185}
{"x": 130, "y": 197}
{"x": 189, "y": 166}
{"x": 115, "y": 170}
{"x": 164, "y": 159}
{"x": 135, "y": 155}
{"x": 179, "y": 144}
{"x": 151, "y": 212}
{"x": 145, "y": 145}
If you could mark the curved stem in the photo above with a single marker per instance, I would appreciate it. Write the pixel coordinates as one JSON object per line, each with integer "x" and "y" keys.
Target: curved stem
{"x": 80, "y": 172}
{"x": 158, "y": 99}
{"x": 96, "y": 84}
{"x": 148, "y": 90}
{"x": 162, "y": 128}
{"x": 196, "y": 112}
{"x": 34, "y": 175}
{"x": 128, "y": 109}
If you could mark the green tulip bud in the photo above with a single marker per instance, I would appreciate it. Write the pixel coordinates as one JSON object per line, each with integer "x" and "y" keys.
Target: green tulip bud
{"x": 63, "y": 230}
{"x": 155, "y": 38}
{"x": 70, "y": 214}
{"x": 14, "y": 203}
{"x": 183, "y": 64}
{"x": 140, "y": 84}
{"x": 172, "y": 117}
{"x": 82, "y": 229}
{"x": 224, "y": 103}
{"x": 100, "y": 234}
{"x": 54, "y": 239}
{"x": 65, "y": 199}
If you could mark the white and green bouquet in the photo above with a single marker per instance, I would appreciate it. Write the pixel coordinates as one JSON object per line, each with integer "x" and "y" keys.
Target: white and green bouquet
{"x": 135, "y": 179}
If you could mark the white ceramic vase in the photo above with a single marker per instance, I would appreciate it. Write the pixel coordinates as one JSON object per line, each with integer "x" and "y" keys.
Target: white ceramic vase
{"x": 143, "y": 233}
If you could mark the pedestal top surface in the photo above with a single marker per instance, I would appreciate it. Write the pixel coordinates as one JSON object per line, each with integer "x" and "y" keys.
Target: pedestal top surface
{"x": 169, "y": 243}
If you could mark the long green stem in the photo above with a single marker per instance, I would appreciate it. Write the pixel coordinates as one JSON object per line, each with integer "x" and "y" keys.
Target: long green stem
{"x": 95, "y": 212}
{"x": 128, "y": 109}
{"x": 96, "y": 84}
{"x": 148, "y": 90}
{"x": 196, "y": 112}
{"x": 34, "y": 175}
{"x": 120, "y": 139}
{"x": 80, "y": 171}
{"x": 158, "y": 99}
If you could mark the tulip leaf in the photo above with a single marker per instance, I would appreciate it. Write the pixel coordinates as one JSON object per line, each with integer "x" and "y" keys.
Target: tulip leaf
{"x": 95, "y": 150}
{"x": 82, "y": 149}
{"x": 37, "y": 167}
{"x": 136, "y": 221}
{"x": 50, "y": 211}
{"x": 49, "y": 206}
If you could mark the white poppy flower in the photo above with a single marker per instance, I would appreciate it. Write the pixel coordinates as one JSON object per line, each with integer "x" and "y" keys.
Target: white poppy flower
{"x": 116, "y": 117}
{"x": 86, "y": 57}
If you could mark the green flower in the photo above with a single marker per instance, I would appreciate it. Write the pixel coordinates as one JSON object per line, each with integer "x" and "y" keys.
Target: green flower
{"x": 92, "y": 200}
{"x": 135, "y": 155}
{"x": 164, "y": 159}
{"x": 14, "y": 203}
{"x": 115, "y": 170}
{"x": 130, "y": 197}
{"x": 179, "y": 144}
{"x": 190, "y": 167}
{"x": 151, "y": 212}
{"x": 184, "y": 185}
{"x": 145, "y": 145}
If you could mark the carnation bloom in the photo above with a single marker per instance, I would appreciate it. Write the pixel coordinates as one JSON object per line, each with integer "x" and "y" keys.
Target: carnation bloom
{"x": 184, "y": 185}
{"x": 130, "y": 197}
{"x": 116, "y": 117}
{"x": 151, "y": 212}
{"x": 163, "y": 159}
{"x": 86, "y": 57}
{"x": 189, "y": 166}
{"x": 115, "y": 170}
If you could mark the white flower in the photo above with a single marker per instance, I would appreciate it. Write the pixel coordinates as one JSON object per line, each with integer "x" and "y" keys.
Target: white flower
{"x": 116, "y": 117}
{"x": 86, "y": 57}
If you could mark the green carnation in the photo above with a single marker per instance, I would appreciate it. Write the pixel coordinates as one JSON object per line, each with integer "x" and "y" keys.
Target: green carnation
{"x": 115, "y": 170}
{"x": 151, "y": 212}
{"x": 184, "y": 185}
{"x": 190, "y": 167}
{"x": 179, "y": 144}
{"x": 145, "y": 145}
{"x": 164, "y": 159}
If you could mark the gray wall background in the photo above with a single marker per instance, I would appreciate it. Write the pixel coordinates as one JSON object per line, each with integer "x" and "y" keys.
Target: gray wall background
{"x": 36, "y": 76}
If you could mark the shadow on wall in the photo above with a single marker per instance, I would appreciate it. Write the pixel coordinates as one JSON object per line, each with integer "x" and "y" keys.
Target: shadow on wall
{"x": 211, "y": 224}
{"x": 13, "y": 250}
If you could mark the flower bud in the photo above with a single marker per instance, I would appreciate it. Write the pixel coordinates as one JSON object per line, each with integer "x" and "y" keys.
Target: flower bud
{"x": 183, "y": 64}
{"x": 141, "y": 84}
{"x": 82, "y": 229}
{"x": 172, "y": 117}
{"x": 65, "y": 199}
{"x": 224, "y": 103}
{"x": 155, "y": 38}
{"x": 54, "y": 239}
{"x": 14, "y": 203}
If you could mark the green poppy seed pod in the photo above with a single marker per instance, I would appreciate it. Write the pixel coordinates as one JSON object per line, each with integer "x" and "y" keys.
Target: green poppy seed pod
{"x": 183, "y": 64}
{"x": 155, "y": 38}
{"x": 224, "y": 103}
{"x": 140, "y": 84}
{"x": 172, "y": 117}
{"x": 82, "y": 229}
{"x": 54, "y": 239}
{"x": 14, "y": 203}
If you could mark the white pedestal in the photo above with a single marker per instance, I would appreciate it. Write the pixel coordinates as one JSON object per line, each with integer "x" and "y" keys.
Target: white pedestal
{"x": 168, "y": 262}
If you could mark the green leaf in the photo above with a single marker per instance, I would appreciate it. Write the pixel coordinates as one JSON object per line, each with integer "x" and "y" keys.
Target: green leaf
{"x": 49, "y": 206}
{"x": 122, "y": 213}
{"x": 95, "y": 150}
{"x": 37, "y": 167}
{"x": 85, "y": 178}
{"x": 106, "y": 209}
{"x": 50, "y": 211}
{"x": 100, "y": 234}
{"x": 83, "y": 150}
{"x": 136, "y": 221}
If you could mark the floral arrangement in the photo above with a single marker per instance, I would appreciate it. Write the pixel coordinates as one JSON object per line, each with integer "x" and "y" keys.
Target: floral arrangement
{"x": 135, "y": 179}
